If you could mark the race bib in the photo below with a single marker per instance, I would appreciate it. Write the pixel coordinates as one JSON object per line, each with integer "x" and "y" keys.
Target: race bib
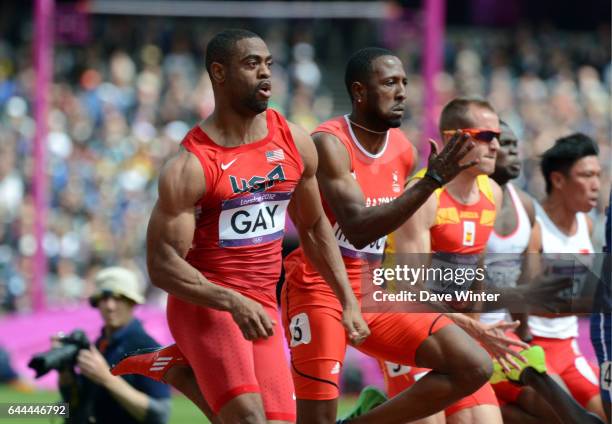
{"x": 300, "y": 330}
{"x": 571, "y": 266}
{"x": 373, "y": 251}
{"x": 254, "y": 219}
{"x": 450, "y": 272}
{"x": 503, "y": 269}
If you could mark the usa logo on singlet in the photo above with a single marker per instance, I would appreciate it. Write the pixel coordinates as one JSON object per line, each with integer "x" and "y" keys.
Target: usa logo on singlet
{"x": 258, "y": 184}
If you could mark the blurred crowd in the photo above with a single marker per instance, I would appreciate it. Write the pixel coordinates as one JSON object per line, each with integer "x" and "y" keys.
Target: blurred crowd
{"x": 121, "y": 103}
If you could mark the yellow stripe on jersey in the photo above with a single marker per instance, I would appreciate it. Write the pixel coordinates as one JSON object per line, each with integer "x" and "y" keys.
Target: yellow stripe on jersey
{"x": 390, "y": 246}
{"x": 447, "y": 216}
{"x": 487, "y": 217}
{"x": 420, "y": 174}
{"x": 484, "y": 184}
{"x": 451, "y": 215}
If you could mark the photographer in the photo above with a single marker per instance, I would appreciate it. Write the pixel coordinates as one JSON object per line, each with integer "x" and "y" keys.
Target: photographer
{"x": 95, "y": 395}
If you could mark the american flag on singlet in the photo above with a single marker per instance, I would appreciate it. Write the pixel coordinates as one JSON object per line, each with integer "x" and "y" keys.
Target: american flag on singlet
{"x": 275, "y": 155}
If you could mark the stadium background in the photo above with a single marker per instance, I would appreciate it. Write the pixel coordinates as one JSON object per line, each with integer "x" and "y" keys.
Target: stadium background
{"x": 126, "y": 88}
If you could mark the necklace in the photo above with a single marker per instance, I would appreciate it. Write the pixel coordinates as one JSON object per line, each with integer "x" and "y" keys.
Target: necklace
{"x": 366, "y": 129}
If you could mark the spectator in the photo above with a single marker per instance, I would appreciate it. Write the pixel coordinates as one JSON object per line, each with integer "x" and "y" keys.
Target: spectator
{"x": 102, "y": 396}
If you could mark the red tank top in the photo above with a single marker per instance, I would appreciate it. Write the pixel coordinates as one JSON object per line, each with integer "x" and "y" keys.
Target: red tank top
{"x": 240, "y": 220}
{"x": 463, "y": 228}
{"x": 381, "y": 178}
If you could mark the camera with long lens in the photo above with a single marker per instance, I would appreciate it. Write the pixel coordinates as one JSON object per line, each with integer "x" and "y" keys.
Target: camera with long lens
{"x": 63, "y": 356}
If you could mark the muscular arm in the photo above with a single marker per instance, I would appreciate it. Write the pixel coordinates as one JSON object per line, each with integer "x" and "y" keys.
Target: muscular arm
{"x": 531, "y": 268}
{"x": 315, "y": 232}
{"x": 170, "y": 234}
{"x": 361, "y": 225}
{"x": 318, "y": 241}
{"x": 169, "y": 237}
{"x": 413, "y": 244}
{"x": 413, "y": 236}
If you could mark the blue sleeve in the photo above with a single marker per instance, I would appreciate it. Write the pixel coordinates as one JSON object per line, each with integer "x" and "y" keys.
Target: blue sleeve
{"x": 152, "y": 388}
{"x": 609, "y": 226}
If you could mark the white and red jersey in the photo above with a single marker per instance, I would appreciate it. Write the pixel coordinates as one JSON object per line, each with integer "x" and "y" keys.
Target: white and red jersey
{"x": 555, "y": 247}
{"x": 381, "y": 177}
{"x": 504, "y": 254}
{"x": 240, "y": 220}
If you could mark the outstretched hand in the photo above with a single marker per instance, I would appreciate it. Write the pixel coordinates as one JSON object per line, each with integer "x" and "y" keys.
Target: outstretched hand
{"x": 494, "y": 339}
{"x": 548, "y": 293}
{"x": 446, "y": 164}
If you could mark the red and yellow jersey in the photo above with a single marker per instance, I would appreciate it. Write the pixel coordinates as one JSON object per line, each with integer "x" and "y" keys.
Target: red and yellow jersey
{"x": 381, "y": 178}
{"x": 240, "y": 220}
{"x": 460, "y": 228}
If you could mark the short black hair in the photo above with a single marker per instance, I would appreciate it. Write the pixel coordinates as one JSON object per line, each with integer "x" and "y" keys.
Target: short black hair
{"x": 220, "y": 47}
{"x": 455, "y": 114}
{"x": 503, "y": 124}
{"x": 565, "y": 153}
{"x": 359, "y": 65}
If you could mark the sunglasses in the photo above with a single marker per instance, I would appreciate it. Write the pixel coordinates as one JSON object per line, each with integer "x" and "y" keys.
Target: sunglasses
{"x": 478, "y": 134}
{"x": 103, "y": 295}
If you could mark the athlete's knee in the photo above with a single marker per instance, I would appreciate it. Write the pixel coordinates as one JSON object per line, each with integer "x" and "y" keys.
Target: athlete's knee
{"x": 316, "y": 411}
{"x": 472, "y": 367}
{"x": 244, "y": 409}
{"x": 451, "y": 351}
{"x": 245, "y": 417}
{"x": 480, "y": 364}
{"x": 474, "y": 374}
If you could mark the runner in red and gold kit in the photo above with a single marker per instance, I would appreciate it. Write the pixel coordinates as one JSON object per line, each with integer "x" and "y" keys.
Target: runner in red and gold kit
{"x": 457, "y": 220}
{"x": 214, "y": 244}
{"x": 363, "y": 162}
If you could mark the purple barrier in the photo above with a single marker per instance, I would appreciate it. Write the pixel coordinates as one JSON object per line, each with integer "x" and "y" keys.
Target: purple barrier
{"x": 24, "y": 335}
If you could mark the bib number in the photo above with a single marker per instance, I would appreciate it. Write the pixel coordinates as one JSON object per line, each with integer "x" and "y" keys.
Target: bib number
{"x": 395, "y": 370}
{"x": 300, "y": 330}
{"x": 469, "y": 233}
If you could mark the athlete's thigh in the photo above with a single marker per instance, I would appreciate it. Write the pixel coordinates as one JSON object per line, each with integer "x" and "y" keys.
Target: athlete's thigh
{"x": 220, "y": 356}
{"x": 399, "y": 377}
{"x": 317, "y": 411}
{"x": 246, "y": 407}
{"x": 514, "y": 414}
{"x": 476, "y": 408}
{"x": 533, "y": 404}
{"x": 438, "y": 418}
{"x": 317, "y": 341}
{"x": 481, "y": 414}
{"x": 273, "y": 375}
{"x": 395, "y": 337}
{"x": 581, "y": 378}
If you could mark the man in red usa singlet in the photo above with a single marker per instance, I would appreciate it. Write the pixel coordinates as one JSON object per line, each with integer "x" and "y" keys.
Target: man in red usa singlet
{"x": 364, "y": 160}
{"x": 214, "y": 244}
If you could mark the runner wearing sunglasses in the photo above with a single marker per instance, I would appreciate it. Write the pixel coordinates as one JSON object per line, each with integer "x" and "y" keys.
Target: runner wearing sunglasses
{"x": 458, "y": 219}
